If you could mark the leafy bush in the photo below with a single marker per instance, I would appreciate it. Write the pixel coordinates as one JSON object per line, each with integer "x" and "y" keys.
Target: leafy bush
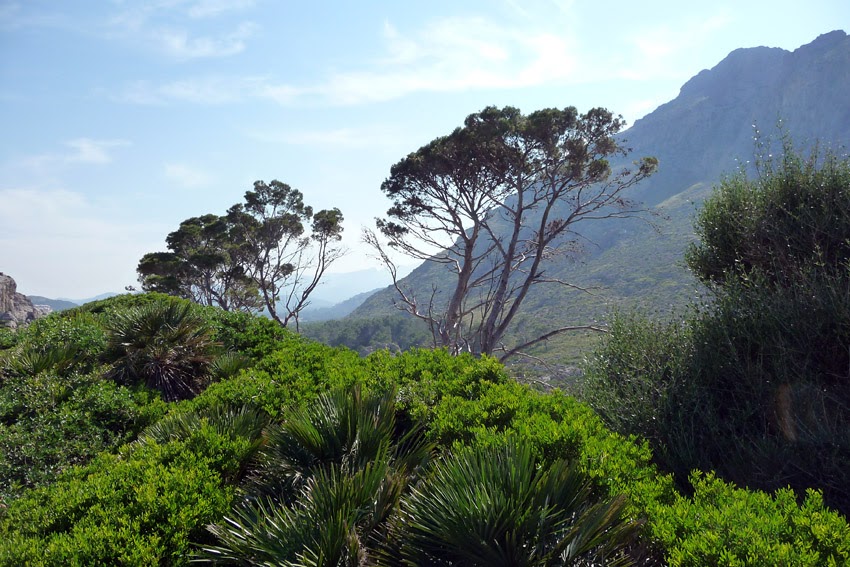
{"x": 296, "y": 371}
{"x": 754, "y": 385}
{"x": 8, "y": 338}
{"x": 50, "y": 422}
{"x": 793, "y": 217}
{"x": 62, "y": 342}
{"x": 141, "y": 507}
{"x": 724, "y": 525}
{"x": 248, "y": 335}
{"x": 148, "y": 503}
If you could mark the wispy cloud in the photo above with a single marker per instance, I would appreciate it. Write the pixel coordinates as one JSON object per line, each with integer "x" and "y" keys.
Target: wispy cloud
{"x": 173, "y": 28}
{"x": 208, "y": 90}
{"x": 455, "y": 54}
{"x": 213, "y": 8}
{"x": 79, "y": 150}
{"x": 655, "y": 51}
{"x": 187, "y": 176}
{"x": 449, "y": 55}
{"x": 180, "y": 44}
{"x": 87, "y": 150}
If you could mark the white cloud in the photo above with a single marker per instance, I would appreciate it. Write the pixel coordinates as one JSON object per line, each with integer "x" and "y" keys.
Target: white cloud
{"x": 213, "y": 8}
{"x": 656, "y": 51}
{"x": 187, "y": 176}
{"x": 179, "y": 44}
{"x": 449, "y": 55}
{"x": 87, "y": 150}
{"x": 81, "y": 150}
{"x": 456, "y": 54}
{"x": 209, "y": 90}
{"x": 184, "y": 37}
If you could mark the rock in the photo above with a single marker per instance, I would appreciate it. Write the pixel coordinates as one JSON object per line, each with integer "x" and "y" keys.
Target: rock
{"x": 15, "y": 309}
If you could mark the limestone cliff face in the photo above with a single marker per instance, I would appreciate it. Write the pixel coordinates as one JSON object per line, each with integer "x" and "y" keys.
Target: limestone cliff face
{"x": 15, "y": 309}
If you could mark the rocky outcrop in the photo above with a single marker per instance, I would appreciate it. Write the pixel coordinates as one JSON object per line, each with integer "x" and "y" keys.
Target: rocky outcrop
{"x": 15, "y": 309}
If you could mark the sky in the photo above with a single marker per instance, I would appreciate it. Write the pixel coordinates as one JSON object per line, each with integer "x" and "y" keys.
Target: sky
{"x": 120, "y": 119}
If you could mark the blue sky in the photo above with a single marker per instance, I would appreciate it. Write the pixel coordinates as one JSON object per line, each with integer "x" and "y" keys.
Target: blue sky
{"x": 121, "y": 119}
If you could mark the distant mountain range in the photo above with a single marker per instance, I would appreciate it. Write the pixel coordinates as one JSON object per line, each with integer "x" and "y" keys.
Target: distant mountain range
{"x": 705, "y": 132}
{"x": 54, "y": 304}
{"x": 336, "y": 296}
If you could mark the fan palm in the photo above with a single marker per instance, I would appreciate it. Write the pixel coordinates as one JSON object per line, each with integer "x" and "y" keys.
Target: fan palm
{"x": 166, "y": 345}
{"x": 328, "y": 480}
{"x": 343, "y": 428}
{"x": 495, "y": 506}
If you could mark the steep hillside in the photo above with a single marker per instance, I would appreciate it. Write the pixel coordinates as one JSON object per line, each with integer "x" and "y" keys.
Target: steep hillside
{"x": 705, "y": 132}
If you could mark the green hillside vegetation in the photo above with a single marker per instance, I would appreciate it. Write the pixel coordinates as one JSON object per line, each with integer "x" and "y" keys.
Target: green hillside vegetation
{"x": 753, "y": 383}
{"x": 268, "y": 462}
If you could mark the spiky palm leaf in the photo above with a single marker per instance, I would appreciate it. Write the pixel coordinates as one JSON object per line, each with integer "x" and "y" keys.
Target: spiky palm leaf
{"x": 228, "y": 365}
{"x": 343, "y": 428}
{"x": 165, "y": 345}
{"x": 328, "y": 481}
{"x": 61, "y": 359}
{"x": 233, "y": 421}
{"x": 332, "y": 522}
{"x": 496, "y": 506}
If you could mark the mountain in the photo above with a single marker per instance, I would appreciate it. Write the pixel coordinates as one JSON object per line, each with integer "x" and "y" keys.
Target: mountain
{"x": 339, "y": 310}
{"x": 106, "y": 295}
{"x": 54, "y": 304}
{"x": 338, "y": 287}
{"x": 705, "y": 132}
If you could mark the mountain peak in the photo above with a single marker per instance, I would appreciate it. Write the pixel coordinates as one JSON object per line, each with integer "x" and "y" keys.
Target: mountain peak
{"x": 826, "y": 40}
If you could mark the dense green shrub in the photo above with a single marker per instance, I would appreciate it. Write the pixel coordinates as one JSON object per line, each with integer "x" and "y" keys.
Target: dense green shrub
{"x": 296, "y": 371}
{"x": 754, "y": 385}
{"x": 792, "y": 218}
{"x": 150, "y": 502}
{"x": 50, "y": 422}
{"x": 249, "y": 335}
{"x": 722, "y": 525}
{"x": 61, "y": 342}
{"x": 8, "y": 338}
{"x": 141, "y": 507}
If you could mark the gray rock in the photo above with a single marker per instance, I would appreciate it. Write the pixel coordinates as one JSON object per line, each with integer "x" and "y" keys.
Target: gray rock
{"x": 16, "y": 310}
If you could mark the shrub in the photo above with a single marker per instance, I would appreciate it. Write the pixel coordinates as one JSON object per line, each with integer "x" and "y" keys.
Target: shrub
{"x": 141, "y": 507}
{"x": 50, "y": 422}
{"x": 61, "y": 342}
{"x": 753, "y": 385}
{"x": 793, "y": 217}
{"x": 497, "y": 506}
{"x": 328, "y": 479}
{"x": 725, "y": 525}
